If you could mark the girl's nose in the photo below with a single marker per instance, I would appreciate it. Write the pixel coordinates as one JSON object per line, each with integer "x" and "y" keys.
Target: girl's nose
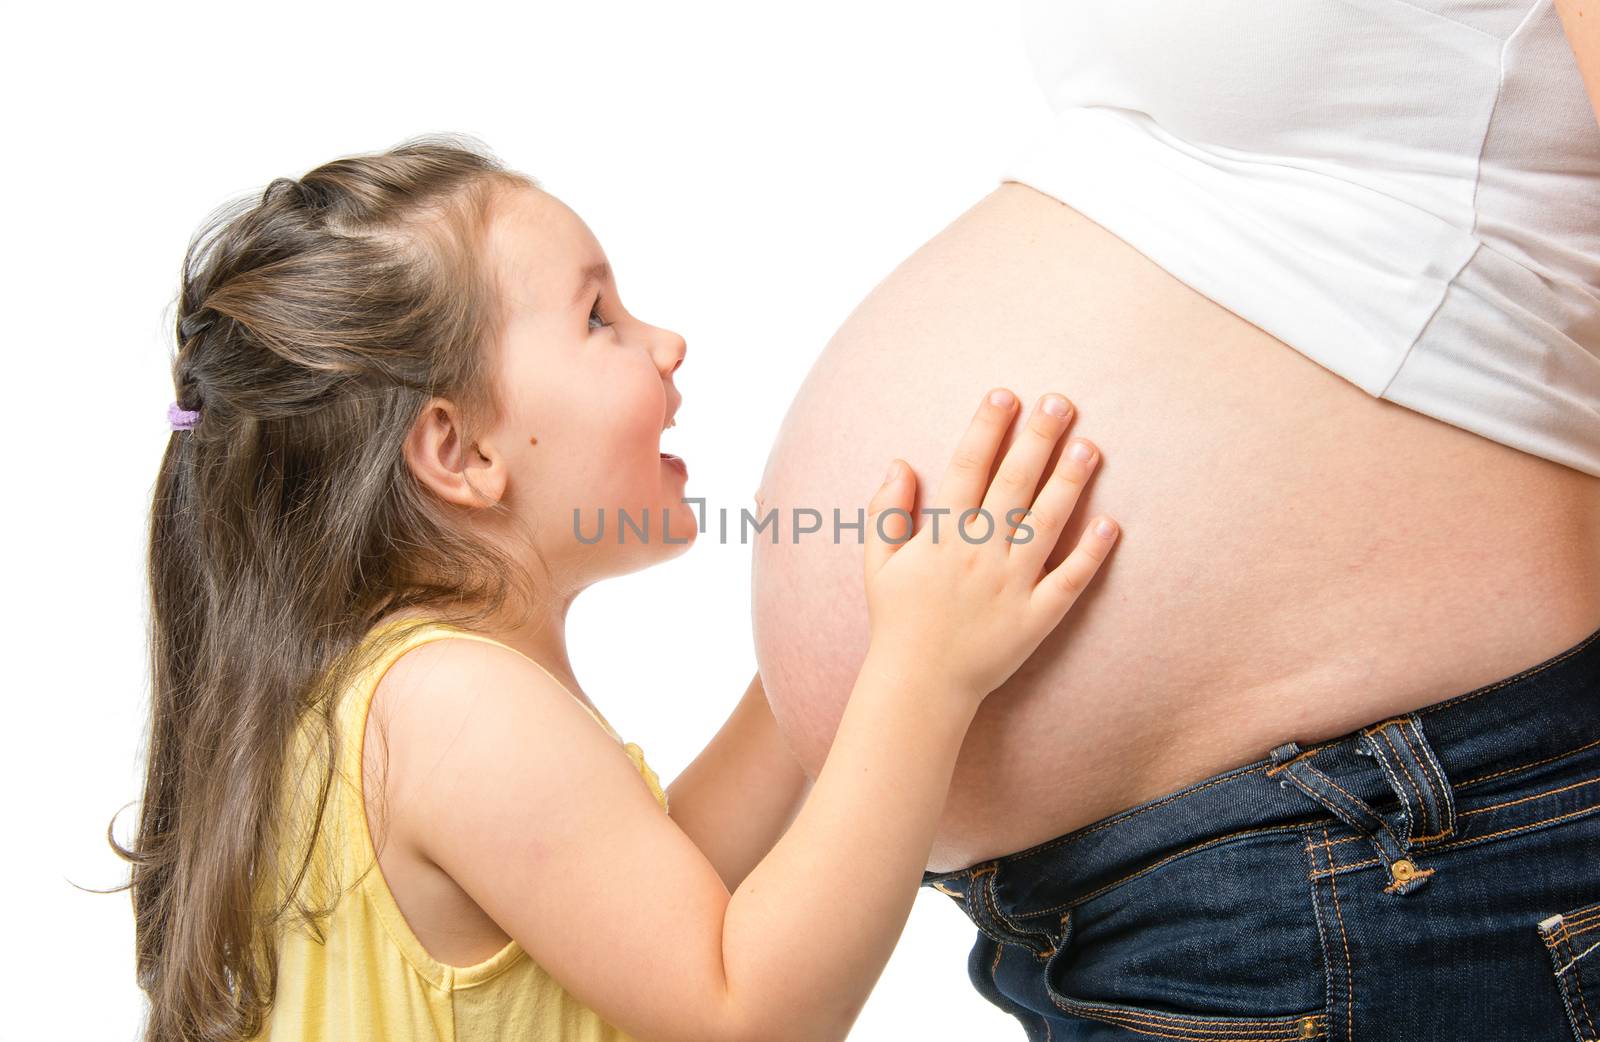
{"x": 670, "y": 353}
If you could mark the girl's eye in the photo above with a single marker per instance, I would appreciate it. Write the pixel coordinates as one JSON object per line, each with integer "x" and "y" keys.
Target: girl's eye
{"x": 594, "y": 315}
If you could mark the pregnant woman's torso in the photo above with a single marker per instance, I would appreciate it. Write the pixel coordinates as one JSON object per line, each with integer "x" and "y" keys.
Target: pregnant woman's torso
{"x": 1297, "y": 557}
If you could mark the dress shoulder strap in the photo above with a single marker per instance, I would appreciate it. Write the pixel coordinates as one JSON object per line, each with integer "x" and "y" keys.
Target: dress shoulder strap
{"x": 430, "y": 630}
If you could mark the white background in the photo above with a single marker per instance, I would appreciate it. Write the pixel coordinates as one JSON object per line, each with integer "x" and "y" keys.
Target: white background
{"x": 752, "y": 170}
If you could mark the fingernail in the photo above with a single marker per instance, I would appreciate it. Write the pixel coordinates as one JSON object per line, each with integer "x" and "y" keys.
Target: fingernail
{"x": 1105, "y": 528}
{"x": 1001, "y": 397}
{"x": 894, "y": 470}
{"x": 1079, "y": 451}
{"x": 1055, "y": 406}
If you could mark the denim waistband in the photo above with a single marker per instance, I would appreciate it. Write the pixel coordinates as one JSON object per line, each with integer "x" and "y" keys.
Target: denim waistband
{"x": 1393, "y": 780}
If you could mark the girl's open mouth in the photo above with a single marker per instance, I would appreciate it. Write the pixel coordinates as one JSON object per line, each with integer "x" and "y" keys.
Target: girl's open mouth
{"x": 676, "y": 462}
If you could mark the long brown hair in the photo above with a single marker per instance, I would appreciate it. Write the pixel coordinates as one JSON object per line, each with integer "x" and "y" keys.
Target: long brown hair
{"x": 315, "y": 320}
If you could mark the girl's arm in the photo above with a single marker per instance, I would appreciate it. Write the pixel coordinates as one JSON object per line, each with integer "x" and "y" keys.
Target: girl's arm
{"x": 742, "y": 791}
{"x": 500, "y": 778}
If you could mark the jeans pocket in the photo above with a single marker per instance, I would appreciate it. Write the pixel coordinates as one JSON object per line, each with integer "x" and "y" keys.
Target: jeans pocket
{"x": 1172, "y": 1023}
{"x": 1573, "y": 941}
{"x": 1211, "y": 944}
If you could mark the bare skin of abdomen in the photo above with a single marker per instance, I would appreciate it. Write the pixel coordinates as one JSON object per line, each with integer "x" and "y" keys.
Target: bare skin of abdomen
{"x": 1297, "y": 558}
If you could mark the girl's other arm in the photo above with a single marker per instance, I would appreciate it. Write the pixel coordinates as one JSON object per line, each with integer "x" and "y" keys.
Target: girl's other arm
{"x": 742, "y": 791}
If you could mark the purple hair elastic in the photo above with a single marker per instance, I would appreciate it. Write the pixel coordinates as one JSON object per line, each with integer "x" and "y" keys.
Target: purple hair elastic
{"x": 182, "y": 419}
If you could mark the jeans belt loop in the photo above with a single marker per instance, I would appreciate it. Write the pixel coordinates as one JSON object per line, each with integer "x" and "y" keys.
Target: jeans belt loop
{"x": 1427, "y": 810}
{"x": 1416, "y": 776}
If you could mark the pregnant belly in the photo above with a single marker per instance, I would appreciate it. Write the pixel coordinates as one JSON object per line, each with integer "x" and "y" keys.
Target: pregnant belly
{"x": 1297, "y": 558}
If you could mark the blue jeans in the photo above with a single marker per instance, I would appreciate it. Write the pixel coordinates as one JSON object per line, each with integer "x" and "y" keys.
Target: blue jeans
{"x": 1434, "y": 876}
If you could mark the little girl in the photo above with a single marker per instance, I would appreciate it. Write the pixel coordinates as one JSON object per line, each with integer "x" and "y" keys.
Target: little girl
{"x": 378, "y": 806}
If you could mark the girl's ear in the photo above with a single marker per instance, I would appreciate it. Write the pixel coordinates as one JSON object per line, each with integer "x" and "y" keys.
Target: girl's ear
{"x": 465, "y": 475}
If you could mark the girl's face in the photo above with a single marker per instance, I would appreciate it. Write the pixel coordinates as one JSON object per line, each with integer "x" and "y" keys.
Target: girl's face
{"x": 587, "y": 391}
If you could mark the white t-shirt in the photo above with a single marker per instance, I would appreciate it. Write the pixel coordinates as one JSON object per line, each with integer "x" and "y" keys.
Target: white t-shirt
{"x": 1408, "y": 193}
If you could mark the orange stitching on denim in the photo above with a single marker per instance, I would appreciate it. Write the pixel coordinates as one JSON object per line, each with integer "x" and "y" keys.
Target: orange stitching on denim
{"x": 1358, "y": 802}
{"x": 1341, "y": 868}
{"x": 1438, "y": 788}
{"x": 1422, "y": 783}
{"x": 1335, "y": 784}
{"x": 1304, "y": 753}
{"x": 1140, "y": 1028}
{"x": 1405, "y": 806}
{"x": 1192, "y": 1021}
{"x": 1336, "y": 842}
{"x": 969, "y": 905}
{"x": 994, "y": 967}
{"x": 1535, "y": 796}
{"x": 1530, "y": 671}
{"x": 1580, "y": 920}
{"x": 1421, "y": 760}
{"x": 1323, "y": 945}
{"x": 1520, "y": 828}
{"x": 1582, "y": 915}
{"x": 1171, "y": 857}
{"x": 1061, "y": 934}
{"x": 1073, "y": 837}
{"x": 1143, "y": 1027}
{"x": 1001, "y": 918}
{"x": 1288, "y": 763}
{"x": 1349, "y": 977}
{"x": 1398, "y": 883}
{"x": 1072, "y": 902}
{"x": 1215, "y": 1029}
{"x": 1410, "y": 782}
{"x": 1431, "y": 764}
{"x": 1577, "y": 979}
{"x": 1076, "y": 901}
{"x": 1046, "y": 911}
{"x": 1536, "y": 763}
{"x": 1375, "y": 728}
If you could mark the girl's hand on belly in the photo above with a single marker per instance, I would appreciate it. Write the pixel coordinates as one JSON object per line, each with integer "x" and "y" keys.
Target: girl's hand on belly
{"x": 969, "y": 605}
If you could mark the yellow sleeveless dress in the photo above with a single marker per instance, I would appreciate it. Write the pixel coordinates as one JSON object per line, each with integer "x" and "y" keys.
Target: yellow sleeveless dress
{"x": 368, "y": 977}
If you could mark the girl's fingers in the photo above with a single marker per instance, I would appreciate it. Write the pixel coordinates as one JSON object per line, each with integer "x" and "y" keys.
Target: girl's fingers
{"x": 967, "y": 477}
{"x": 1037, "y": 534}
{"x": 889, "y": 515}
{"x": 1018, "y": 477}
{"x": 1060, "y": 587}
